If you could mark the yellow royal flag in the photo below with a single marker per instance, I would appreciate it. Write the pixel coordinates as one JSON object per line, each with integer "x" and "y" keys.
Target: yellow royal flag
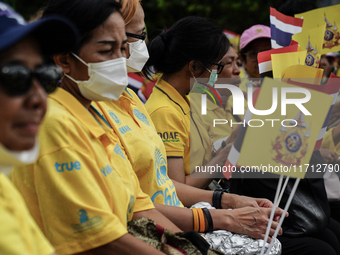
{"x": 329, "y": 16}
{"x": 282, "y": 61}
{"x": 283, "y": 142}
{"x": 312, "y": 41}
{"x": 297, "y": 72}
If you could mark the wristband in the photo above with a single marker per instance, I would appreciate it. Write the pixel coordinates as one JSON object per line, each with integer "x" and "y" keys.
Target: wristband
{"x": 216, "y": 199}
{"x": 209, "y": 219}
{"x": 196, "y": 220}
{"x": 202, "y": 220}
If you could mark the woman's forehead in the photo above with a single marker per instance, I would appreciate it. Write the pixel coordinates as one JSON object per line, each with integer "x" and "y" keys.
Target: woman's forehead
{"x": 26, "y": 51}
{"x": 113, "y": 28}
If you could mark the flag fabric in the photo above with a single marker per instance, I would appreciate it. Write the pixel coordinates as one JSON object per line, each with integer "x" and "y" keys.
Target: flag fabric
{"x": 281, "y": 146}
{"x": 282, "y": 28}
{"x": 328, "y": 16}
{"x": 331, "y": 88}
{"x": 312, "y": 41}
{"x": 313, "y": 74}
{"x": 265, "y": 60}
{"x": 284, "y": 60}
{"x": 136, "y": 83}
{"x": 233, "y": 38}
{"x": 234, "y": 153}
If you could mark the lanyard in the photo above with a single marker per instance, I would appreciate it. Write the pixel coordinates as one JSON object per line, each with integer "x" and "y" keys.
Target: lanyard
{"x": 101, "y": 116}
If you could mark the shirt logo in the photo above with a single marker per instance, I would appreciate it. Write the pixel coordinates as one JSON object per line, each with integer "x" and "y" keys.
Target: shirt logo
{"x": 67, "y": 166}
{"x": 141, "y": 116}
{"x": 124, "y": 129}
{"x": 131, "y": 204}
{"x": 169, "y": 137}
{"x": 106, "y": 170}
{"x": 85, "y": 222}
{"x": 119, "y": 151}
{"x": 160, "y": 166}
{"x": 114, "y": 117}
{"x": 169, "y": 198}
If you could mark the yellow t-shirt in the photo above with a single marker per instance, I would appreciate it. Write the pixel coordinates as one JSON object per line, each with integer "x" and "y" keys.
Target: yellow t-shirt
{"x": 144, "y": 148}
{"x": 79, "y": 196}
{"x": 19, "y": 234}
{"x": 170, "y": 113}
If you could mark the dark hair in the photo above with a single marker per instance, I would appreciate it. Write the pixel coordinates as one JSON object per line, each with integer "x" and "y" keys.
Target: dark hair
{"x": 87, "y": 15}
{"x": 190, "y": 38}
{"x": 292, "y": 7}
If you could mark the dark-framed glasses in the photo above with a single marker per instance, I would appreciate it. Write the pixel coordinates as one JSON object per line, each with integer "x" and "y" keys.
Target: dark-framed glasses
{"x": 16, "y": 79}
{"x": 142, "y": 36}
{"x": 220, "y": 66}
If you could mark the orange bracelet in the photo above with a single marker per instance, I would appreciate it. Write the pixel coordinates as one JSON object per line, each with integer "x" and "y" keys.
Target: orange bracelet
{"x": 196, "y": 221}
{"x": 202, "y": 219}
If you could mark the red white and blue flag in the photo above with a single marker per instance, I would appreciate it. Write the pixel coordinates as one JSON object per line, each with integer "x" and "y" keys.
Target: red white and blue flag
{"x": 265, "y": 60}
{"x": 282, "y": 28}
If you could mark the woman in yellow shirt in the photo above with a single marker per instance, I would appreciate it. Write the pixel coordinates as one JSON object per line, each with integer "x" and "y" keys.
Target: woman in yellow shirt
{"x": 147, "y": 155}
{"x": 82, "y": 190}
{"x": 24, "y": 83}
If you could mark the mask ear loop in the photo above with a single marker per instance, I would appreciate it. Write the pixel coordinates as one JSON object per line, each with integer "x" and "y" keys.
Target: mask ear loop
{"x": 77, "y": 57}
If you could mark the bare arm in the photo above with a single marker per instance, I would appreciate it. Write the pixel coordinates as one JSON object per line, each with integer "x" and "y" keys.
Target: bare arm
{"x": 182, "y": 217}
{"x": 196, "y": 179}
{"x": 127, "y": 245}
{"x": 249, "y": 221}
{"x": 158, "y": 218}
{"x": 200, "y": 180}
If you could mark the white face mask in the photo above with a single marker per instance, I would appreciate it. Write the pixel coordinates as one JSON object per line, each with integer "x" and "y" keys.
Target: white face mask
{"x": 138, "y": 56}
{"x": 8, "y": 158}
{"x": 107, "y": 80}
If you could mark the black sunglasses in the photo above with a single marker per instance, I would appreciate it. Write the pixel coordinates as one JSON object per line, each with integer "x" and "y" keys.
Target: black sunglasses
{"x": 140, "y": 37}
{"x": 220, "y": 66}
{"x": 16, "y": 79}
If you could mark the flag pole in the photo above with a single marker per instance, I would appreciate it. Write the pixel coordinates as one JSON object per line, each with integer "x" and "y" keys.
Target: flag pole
{"x": 272, "y": 213}
{"x": 283, "y": 190}
{"x": 284, "y": 213}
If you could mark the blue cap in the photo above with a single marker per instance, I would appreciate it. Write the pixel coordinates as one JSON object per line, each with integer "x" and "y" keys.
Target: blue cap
{"x": 55, "y": 34}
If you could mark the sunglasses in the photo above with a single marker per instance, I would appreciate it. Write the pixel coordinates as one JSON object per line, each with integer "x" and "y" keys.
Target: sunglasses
{"x": 142, "y": 36}
{"x": 220, "y": 66}
{"x": 16, "y": 79}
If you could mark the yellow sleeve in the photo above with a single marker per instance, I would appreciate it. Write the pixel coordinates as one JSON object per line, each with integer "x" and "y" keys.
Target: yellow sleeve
{"x": 143, "y": 201}
{"x": 11, "y": 241}
{"x": 19, "y": 233}
{"x": 77, "y": 215}
{"x": 172, "y": 130}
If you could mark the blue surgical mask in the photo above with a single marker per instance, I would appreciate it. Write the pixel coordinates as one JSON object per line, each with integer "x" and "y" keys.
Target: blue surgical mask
{"x": 213, "y": 77}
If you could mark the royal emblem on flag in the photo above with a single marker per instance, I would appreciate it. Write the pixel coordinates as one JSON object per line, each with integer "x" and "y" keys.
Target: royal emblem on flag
{"x": 291, "y": 145}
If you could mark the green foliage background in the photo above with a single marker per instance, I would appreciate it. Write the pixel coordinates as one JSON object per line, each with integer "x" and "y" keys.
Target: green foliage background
{"x": 234, "y": 15}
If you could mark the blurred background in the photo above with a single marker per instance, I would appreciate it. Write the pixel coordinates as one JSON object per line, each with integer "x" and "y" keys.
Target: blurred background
{"x": 233, "y": 15}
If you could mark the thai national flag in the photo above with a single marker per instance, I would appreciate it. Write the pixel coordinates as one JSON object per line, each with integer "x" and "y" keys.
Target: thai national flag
{"x": 265, "y": 60}
{"x": 282, "y": 28}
